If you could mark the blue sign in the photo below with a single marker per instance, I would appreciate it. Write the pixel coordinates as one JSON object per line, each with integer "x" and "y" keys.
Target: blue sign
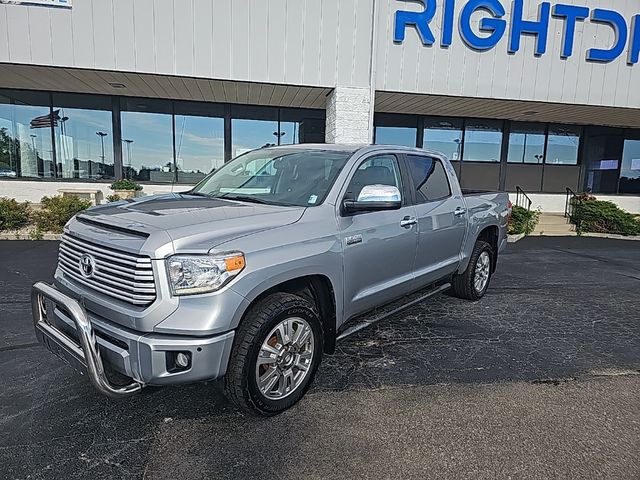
{"x": 493, "y": 27}
{"x": 48, "y": 3}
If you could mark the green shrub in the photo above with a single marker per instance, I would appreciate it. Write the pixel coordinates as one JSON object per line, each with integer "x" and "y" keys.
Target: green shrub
{"x": 523, "y": 220}
{"x": 126, "y": 184}
{"x": 113, "y": 198}
{"x": 13, "y": 215}
{"x": 57, "y": 211}
{"x": 598, "y": 216}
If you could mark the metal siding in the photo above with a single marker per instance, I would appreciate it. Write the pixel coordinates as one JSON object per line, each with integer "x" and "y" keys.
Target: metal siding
{"x": 328, "y": 43}
{"x": 294, "y": 40}
{"x": 462, "y": 71}
{"x": 240, "y": 40}
{"x": 103, "y": 35}
{"x": 276, "y": 33}
{"x": 40, "y": 35}
{"x": 144, "y": 46}
{"x": 164, "y": 35}
{"x": 18, "y": 33}
{"x": 123, "y": 30}
{"x": 183, "y": 26}
{"x": 310, "y": 47}
{"x": 202, "y": 38}
{"x": 221, "y": 38}
{"x": 4, "y": 32}
{"x": 259, "y": 51}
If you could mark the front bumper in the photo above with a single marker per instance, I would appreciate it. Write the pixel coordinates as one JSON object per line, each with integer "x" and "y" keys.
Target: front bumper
{"x": 89, "y": 344}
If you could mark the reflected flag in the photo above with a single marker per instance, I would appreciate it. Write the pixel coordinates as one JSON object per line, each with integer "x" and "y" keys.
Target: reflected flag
{"x": 46, "y": 121}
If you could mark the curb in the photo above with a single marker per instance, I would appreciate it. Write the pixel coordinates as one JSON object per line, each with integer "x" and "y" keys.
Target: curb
{"x": 25, "y": 236}
{"x": 611, "y": 236}
{"x": 515, "y": 238}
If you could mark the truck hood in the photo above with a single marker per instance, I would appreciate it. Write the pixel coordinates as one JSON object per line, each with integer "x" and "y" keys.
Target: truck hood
{"x": 192, "y": 223}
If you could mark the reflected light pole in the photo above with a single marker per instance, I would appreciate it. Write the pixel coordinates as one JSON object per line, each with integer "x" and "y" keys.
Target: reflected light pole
{"x": 279, "y": 135}
{"x": 102, "y": 135}
{"x": 128, "y": 142}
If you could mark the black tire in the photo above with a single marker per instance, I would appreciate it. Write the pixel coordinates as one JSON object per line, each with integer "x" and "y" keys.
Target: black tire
{"x": 463, "y": 285}
{"x": 241, "y": 386}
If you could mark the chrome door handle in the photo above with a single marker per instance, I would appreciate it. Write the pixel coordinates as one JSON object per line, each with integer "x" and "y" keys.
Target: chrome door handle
{"x": 458, "y": 212}
{"x": 408, "y": 221}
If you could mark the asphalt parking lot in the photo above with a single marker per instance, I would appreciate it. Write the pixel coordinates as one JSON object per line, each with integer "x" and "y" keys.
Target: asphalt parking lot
{"x": 537, "y": 380}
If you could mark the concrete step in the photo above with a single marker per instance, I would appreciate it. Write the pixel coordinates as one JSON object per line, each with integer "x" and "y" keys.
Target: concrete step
{"x": 552, "y": 219}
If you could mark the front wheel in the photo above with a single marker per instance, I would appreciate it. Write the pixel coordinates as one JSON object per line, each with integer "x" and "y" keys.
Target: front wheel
{"x": 473, "y": 283}
{"x": 275, "y": 355}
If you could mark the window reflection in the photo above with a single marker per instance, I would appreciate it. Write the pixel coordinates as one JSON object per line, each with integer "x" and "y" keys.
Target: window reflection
{"x": 630, "y": 173}
{"x": 526, "y": 143}
{"x": 301, "y": 126}
{"x": 443, "y": 135}
{"x": 84, "y": 137}
{"x": 482, "y": 141}
{"x": 562, "y": 144}
{"x": 199, "y": 146}
{"x": 396, "y": 136}
{"x": 147, "y": 139}
{"x": 26, "y": 148}
{"x": 253, "y": 127}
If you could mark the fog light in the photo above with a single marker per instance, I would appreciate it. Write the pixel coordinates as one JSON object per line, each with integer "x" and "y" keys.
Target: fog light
{"x": 182, "y": 360}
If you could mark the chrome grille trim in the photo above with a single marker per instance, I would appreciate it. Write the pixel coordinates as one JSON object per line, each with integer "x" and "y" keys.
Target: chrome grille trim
{"x": 121, "y": 275}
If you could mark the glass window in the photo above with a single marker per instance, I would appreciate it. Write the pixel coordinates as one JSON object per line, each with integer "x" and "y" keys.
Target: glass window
{"x": 199, "y": 140}
{"x": 26, "y": 148}
{"x": 147, "y": 139}
{"x": 630, "y": 172}
{"x": 443, "y": 135}
{"x": 562, "y": 144}
{"x": 378, "y": 170}
{"x": 254, "y": 127}
{"x": 429, "y": 178}
{"x": 84, "y": 137}
{"x": 526, "y": 143}
{"x": 396, "y": 136}
{"x": 482, "y": 141}
{"x": 299, "y": 125}
{"x": 391, "y": 129}
{"x": 279, "y": 177}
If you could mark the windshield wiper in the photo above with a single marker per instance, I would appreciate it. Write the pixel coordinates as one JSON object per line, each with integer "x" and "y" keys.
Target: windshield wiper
{"x": 245, "y": 198}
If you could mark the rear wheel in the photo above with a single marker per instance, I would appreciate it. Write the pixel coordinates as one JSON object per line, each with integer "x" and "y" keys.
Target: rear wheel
{"x": 473, "y": 283}
{"x": 275, "y": 356}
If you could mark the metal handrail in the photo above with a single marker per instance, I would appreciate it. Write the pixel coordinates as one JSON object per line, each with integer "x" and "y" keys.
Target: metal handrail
{"x": 568, "y": 205}
{"x": 523, "y": 199}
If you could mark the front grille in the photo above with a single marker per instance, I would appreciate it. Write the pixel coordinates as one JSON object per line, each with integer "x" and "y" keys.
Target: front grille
{"x": 121, "y": 275}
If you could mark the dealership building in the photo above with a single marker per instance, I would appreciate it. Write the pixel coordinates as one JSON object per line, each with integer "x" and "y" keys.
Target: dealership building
{"x": 544, "y": 96}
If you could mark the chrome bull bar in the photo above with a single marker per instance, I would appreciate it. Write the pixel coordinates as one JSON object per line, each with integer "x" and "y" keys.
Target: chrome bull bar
{"x": 84, "y": 357}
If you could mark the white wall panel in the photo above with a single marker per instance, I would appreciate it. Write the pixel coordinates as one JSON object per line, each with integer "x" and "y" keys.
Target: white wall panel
{"x": 123, "y": 31}
{"x": 164, "y": 35}
{"x": 183, "y": 26}
{"x": 462, "y": 71}
{"x": 144, "y": 46}
{"x": 40, "y": 34}
{"x": 18, "y": 33}
{"x": 278, "y": 41}
{"x": 294, "y": 41}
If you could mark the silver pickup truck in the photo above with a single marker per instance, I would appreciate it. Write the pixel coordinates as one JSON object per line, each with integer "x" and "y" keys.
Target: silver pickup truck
{"x": 259, "y": 269}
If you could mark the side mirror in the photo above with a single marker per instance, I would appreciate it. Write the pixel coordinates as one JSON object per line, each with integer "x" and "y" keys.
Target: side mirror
{"x": 373, "y": 198}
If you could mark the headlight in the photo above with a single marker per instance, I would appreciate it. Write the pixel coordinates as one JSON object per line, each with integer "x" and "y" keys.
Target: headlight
{"x": 190, "y": 274}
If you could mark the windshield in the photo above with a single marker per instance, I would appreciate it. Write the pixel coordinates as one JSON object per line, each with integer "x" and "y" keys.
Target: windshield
{"x": 279, "y": 177}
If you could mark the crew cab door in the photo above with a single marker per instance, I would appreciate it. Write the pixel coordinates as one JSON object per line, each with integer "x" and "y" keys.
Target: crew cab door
{"x": 379, "y": 247}
{"x": 442, "y": 219}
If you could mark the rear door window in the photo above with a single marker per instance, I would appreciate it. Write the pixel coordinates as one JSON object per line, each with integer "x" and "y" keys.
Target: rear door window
{"x": 430, "y": 179}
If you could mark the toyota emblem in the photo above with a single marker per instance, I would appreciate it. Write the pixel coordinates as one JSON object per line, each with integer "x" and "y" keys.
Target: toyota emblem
{"x": 87, "y": 265}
